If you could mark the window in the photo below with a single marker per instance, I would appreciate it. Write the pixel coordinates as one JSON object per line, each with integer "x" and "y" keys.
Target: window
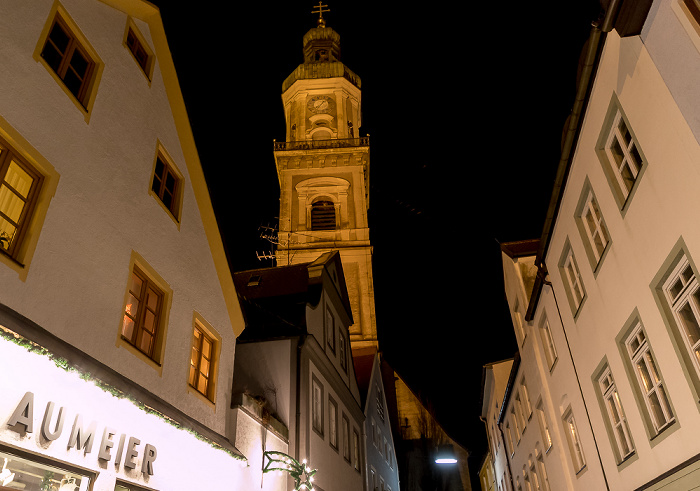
{"x": 332, "y": 422}
{"x": 166, "y": 184}
{"x": 142, "y": 313}
{"x": 127, "y": 486}
{"x": 573, "y": 437}
{"x": 356, "y": 449}
{"x": 346, "y": 438}
{"x": 317, "y": 406}
{"x": 138, "y": 47}
{"x": 70, "y": 58}
{"x": 20, "y": 470}
{"x": 20, "y": 184}
{"x": 616, "y": 416}
{"x": 550, "y": 350}
{"x": 572, "y": 279}
{"x": 648, "y": 378}
{"x": 526, "y": 479}
{"x": 323, "y": 215}
{"x": 509, "y": 440}
{"x": 544, "y": 426}
{"x": 518, "y": 322}
{"x": 330, "y": 330}
{"x": 516, "y": 424}
{"x": 592, "y": 227}
{"x": 527, "y": 407}
{"x": 533, "y": 474}
{"x": 342, "y": 350}
{"x": 544, "y": 479}
{"x": 520, "y": 412}
{"x": 203, "y": 361}
{"x": 620, "y": 154}
{"x": 682, "y": 293}
{"x": 380, "y": 402}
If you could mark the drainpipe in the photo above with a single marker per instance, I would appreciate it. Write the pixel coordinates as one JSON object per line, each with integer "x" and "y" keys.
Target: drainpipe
{"x": 300, "y": 344}
{"x": 578, "y": 382}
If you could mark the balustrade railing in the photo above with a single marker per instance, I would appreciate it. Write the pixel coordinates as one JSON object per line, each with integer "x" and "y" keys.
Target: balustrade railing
{"x": 314, "y": 144}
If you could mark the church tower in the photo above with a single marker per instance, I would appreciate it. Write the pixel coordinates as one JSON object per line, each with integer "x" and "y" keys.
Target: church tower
{"x": 323, "y": 171}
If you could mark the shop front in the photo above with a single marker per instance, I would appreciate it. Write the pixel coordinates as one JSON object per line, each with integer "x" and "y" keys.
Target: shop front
{"x": 62, "y": 429}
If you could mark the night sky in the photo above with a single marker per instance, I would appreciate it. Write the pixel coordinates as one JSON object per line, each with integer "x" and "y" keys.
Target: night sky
{"x": 465, "y": 103}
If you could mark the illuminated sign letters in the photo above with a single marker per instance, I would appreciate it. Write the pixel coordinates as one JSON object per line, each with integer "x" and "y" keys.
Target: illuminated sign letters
{"x": 82, "y": 438}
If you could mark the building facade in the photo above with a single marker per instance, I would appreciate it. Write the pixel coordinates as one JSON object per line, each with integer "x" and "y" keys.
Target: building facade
{"x": 382, "y": 471}
{"x": 118, "y": 314}
{"x": 294, "y": 358}
{"x": 615, "y": 268}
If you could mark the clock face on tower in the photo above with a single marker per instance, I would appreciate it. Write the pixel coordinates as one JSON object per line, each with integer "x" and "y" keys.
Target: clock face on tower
{"x": 320, "y": 104}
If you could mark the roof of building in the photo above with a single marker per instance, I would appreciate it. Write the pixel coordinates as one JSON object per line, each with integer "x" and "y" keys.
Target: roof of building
{"x": 363, "y": 359}
{"x": 274, "y": 300}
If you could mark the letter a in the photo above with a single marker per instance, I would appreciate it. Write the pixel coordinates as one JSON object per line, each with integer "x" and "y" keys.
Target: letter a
{"x": 23, "y": 415}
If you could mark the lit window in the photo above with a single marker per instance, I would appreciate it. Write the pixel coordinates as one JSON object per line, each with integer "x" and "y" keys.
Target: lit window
{"x": 203, "y": 362}
{"x": 69, "y": 58}
{"x": 516, "y": 424}
{"x": 509, "y": 440}
{"x": 317, "y": 406}
{"x": 332, "y": 422}
{"x": 526, "y": 479}
{"x": 19, "y": 189}
{"x": 544, "y": 479}
{"x": 616, "y": 416}
{"x": 574, "y": 439}
{"x": 142, "y": 313}
{"x": 520, "y": 412}
{"x": 533, "y": 475}
{"x": 649, "y": 379}
{"x": 683, "y": 295}
{"x": 544, "y": 426}
{"x": 550, "y": 350}
{"x": 20, "y": 470}
{"x": 167, "y": 184}
{"x": 323, "y": 215}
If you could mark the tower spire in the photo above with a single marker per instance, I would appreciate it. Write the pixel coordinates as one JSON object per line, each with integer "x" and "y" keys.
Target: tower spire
{"x": 321, "y": 22}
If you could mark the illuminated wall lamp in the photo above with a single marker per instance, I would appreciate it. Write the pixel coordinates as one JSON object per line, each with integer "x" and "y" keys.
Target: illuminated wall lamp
{"x": 445, "y": 455}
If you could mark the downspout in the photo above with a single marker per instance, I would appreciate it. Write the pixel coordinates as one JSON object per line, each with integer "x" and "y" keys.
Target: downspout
{"x": 300, "y": 344}
{"x": 578, "y": 382}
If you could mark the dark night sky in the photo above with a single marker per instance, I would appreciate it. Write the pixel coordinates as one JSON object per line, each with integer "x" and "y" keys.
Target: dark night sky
{"x": 465, "y": 104}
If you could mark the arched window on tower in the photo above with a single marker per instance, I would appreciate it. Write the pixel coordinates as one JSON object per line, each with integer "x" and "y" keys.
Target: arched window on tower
{"x": 323, "y": 215}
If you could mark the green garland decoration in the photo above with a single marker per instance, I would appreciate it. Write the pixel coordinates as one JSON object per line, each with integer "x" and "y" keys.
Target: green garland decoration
{"x": 62, "y": 363}
{"x": 303, "y": 475}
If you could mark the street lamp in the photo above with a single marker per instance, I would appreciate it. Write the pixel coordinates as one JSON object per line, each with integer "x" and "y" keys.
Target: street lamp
{"x": 445, "y": 454}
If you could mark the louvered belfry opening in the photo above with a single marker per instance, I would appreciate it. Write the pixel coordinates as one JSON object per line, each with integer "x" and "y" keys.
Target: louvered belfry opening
{"x": 323, "y": 215}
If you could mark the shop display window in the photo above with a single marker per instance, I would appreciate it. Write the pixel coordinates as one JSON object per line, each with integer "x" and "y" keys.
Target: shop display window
{"x": 31, "y": 473}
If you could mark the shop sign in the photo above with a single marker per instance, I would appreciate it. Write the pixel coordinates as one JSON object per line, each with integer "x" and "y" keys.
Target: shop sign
{"x": 82, "y": 438}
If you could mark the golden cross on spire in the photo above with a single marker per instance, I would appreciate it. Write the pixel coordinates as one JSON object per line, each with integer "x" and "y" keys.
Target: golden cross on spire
{"x": 321, "y": 22}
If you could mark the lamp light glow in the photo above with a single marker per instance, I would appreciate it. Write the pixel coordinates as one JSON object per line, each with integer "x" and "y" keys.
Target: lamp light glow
{"x": 445, "y": 455}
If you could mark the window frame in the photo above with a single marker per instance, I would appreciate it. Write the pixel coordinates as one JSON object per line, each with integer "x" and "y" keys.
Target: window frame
{"x": 550, "y": 349}
{"x": 149, "y": 63}
{"x": 174, "y": 210}
{"x": 594, "y": 229}
{"x": 544, "y": 426}
{"x": 610, "y": 398}
{"x": 345, "y": 428}
{"x": 320, "y": 215}
{"x": 317, "y": 414}
{"x": 689, "y": 295}
{"x": 643, "y": 353}
{"x": 85, "y": 98}
{"x": 572, "y": 280}
{"x": 154, "y": 353}
{"x": 202, "y": 326}
{"x": 333, "y": 424}
{"x": 356, "y": 450}
{"x": 330, "y": 329}
{"x": 578, "y": 458}
{"x": 610, "y": 132}
{"x": 8, "y": 156}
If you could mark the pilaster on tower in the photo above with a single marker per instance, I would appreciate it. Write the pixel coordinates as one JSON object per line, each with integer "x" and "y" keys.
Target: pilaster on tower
{"x": 323, "y": 171}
